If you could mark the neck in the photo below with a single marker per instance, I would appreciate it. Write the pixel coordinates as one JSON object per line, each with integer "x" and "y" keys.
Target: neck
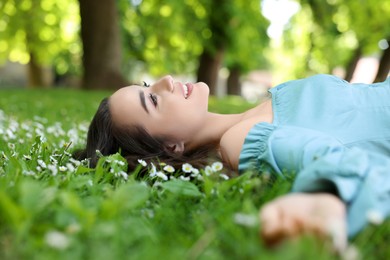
{"x": 215, "y": 127}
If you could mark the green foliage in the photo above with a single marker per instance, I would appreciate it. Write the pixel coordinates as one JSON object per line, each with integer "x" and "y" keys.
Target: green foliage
{"x": 249, "y": 37}
{"x": 323, "y": 35}
{"x": 182, "y": 188}
{"x": 46, "y": 29}
{"x": 367, "y": 19}
{"x": 169, "y": 37}
{"x": 55, "y": 207}
{"x": 164, "y": 37}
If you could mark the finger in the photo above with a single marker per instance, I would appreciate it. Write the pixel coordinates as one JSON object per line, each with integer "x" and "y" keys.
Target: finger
{"x": 337, "y": 230}
{"x": 270, "y": 220}
{"x": 291, "y": 227}
{"x": 331, "y": 227}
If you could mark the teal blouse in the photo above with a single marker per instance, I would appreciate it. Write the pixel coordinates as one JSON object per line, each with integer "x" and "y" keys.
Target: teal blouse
{"x": 335, "y": 136}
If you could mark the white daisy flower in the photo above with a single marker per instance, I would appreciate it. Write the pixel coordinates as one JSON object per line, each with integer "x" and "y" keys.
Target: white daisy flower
{"x": 375, "y": 217}
{"x": 41, "y": 163}
{"x": 157, "y": 184}
{"x": 208, "y": 170}
{"x": 187, "y": 167}
{"x": 169, "y": 168}
{"x": 57, "y": 240}
{"x": 11, "y": 146}
{"x": 53, "y": 169}
{"x": 224, "y": 176}
{"x": 350, "y": 253}
{"x": 184, "y": 178}
{"x": 53, "y": 160}
{"x": 195, "y": 171}
{"x": 121, "y": 163}
{"x": 75, "y": 162}
{"x": 217, "y": 166}
{"x": 123, "y": 174}
{"x": 153, "y": 170}
{"x": 161, "y": 175}
{"x": 62, "y": 168}
{"x": 10, "y": 134}
{"x": 245, "y": 219}
{"x": 70, "y": 167}
{"x": 28, "y": 173}
{"x": 142, "y": 162}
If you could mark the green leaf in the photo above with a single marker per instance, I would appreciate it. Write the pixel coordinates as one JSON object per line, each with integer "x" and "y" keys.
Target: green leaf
{"x": 180, "y": 187}
{"x": 34, "y": 197}
{"x": 126, "y": 197}
{"x": 10, "y": 212}
{"x": 131, "y": 195}
{"x": 82, "y": 169}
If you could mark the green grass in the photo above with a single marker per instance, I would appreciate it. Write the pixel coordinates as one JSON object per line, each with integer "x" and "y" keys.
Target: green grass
{"x": 52, "y": 207}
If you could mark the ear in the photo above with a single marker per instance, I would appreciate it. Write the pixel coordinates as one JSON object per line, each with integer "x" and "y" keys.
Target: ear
{"x": 176, "y": 147}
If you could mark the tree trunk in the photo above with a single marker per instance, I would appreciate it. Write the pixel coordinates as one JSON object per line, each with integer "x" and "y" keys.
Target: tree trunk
{"x": 38, "y": 76}
{"x": 213, "y": 50}
{"x": 353, "y": 63}
{"x": 384, "y": 66}
{"x": 233, "y": 82}
{"x": 100, "y": 34}
{"x": 209, "y": 65}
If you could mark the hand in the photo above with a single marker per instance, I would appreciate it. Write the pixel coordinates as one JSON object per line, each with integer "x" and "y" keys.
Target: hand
{"x": 295, "y": 214}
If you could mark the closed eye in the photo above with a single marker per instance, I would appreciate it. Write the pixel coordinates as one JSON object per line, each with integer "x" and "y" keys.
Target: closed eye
{"x": 153, "y": 98}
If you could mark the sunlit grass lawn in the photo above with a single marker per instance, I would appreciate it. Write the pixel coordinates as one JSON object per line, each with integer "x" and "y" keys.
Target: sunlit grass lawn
{"x": 53, "y": 207}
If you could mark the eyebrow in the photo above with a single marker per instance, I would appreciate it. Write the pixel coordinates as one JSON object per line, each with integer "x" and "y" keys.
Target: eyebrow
{"x": 142, "y": 98}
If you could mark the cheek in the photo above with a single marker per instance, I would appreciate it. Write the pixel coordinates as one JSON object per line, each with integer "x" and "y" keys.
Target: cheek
{"x": 180, "y": 125}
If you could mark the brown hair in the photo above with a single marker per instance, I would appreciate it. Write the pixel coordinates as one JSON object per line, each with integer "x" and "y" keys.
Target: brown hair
{"x": 134, "y": 143}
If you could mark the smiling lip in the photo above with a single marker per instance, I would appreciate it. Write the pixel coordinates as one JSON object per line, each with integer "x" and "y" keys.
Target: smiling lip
{"x": 190, "y": 87}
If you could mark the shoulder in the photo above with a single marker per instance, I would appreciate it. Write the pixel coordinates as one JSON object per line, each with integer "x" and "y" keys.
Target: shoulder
{"x": 233, "y": 139}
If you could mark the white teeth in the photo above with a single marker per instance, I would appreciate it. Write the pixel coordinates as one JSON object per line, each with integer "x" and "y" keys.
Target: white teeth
{"x": 185, "y": 91}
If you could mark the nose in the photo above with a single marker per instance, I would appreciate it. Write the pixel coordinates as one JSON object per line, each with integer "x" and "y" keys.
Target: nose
{"x": 165, "y": 83}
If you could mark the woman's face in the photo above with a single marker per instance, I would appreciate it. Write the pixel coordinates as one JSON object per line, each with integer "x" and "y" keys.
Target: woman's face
{"x": 167, "y": 109}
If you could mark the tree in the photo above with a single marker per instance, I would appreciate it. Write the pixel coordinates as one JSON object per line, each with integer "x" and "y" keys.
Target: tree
{"x": 369, "y": 21}
{"x": 352, "y": 64}
{"x": 36, "y": 33}
{"x": 384, "y": 65}
{"x": 218, "y": 38}
{"x": 163, "y": 37}
{"x": 183, "y": 37}
{"x": 324, "y": 35}
{"x": 248, "y": 42}
{"x": 102, "y": 46}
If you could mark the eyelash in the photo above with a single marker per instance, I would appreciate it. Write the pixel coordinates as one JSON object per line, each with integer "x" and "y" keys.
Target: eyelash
{"x": 153, "y": 98}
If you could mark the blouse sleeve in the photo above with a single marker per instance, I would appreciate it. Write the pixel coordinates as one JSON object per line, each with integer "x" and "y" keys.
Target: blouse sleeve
{"x": 322, "y": 164}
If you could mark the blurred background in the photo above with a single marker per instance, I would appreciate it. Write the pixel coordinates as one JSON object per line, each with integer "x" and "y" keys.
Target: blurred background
{"x": 238, "y": 47}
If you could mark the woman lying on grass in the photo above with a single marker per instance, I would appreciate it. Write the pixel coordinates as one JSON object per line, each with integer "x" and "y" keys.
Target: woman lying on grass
{"x": 334, "y": 135}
